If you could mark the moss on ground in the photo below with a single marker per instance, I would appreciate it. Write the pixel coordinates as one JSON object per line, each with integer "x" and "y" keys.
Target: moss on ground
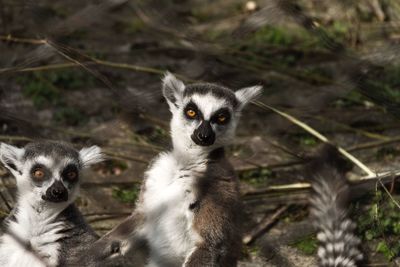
{"x": 126, "y": 195}
{"x": 308, "y": 245}
{"x": 46, "y": 89}
{"x": 379, "y": 226}
{"x": 256, "y": 177}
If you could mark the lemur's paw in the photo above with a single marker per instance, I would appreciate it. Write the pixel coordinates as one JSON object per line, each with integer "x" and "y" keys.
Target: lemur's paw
{"x": 107, "y": 249}
{"x": 115, "y": 248}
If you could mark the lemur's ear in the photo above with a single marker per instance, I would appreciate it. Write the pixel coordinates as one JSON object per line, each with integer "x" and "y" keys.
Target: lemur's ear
{"x": 172, "y": 90}
{"x": 247, "y": 94}
{"x": 11, "y": 157}
{"x": 90, "y": 156}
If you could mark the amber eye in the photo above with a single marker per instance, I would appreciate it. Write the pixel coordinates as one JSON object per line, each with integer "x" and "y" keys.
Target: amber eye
{"x": 38, "y": 174}
{"x": 72, "y": 175}
{"x": 221, "y": 118}
{"x": 191, "y": 113}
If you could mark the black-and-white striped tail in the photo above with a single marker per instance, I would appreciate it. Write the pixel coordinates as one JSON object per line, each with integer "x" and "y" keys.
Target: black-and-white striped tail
{"x": 339, "y": 247}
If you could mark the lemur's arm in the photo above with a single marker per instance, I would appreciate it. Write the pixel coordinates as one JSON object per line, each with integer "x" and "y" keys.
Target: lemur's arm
{"x": 217, "y": 225}
{"x": 116, "y": 243}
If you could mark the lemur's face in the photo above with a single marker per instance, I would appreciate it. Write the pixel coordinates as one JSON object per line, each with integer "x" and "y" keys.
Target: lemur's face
{"x": 207, "y": 119}
{"x": 204, "y": 115}
{"x": 48, "y": 171}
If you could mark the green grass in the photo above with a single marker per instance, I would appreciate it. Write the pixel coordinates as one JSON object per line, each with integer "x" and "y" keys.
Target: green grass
{"x": 304, "y": 139}
{"x": 47, "y": 89}
{"x": 126, "y": 195}
{"x": 273, "y": 36}
{"x": 40, "y": 90}
{"x": 337, "y": 31}
{"x": 387, "y": 83}
{"x": 387, "y": 251}
{"x": 297, "y": 37}
{"x": 307, "y": 245}
{"x": 353, "y": 98}
{"x": 256, "y": 177}
{"x": 381, "y": 225}
{"x": 253, "y": 251}
{"x": 381, "y": 88}
{"x": 157, "y": 135}
{"x": 43, "y": 82}
{"x": 69, "y": 116}
{"x": 260, "y": 47}
{"x": 267, "y": 46}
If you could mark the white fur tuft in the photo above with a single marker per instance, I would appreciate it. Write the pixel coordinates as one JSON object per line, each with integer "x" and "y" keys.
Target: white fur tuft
{"x": 247, "y": 94}
{"x": 172, "y": 89}
{"x": 90, "y": 155}
{"x": 11, "y": 155}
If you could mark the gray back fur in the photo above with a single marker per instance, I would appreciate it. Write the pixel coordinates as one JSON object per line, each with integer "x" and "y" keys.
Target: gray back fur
{"x": 79, "y": 236}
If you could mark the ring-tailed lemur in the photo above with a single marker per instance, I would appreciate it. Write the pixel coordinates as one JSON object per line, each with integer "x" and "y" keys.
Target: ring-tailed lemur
{"x": 45, "y": 228}
{"x": 188, "y": 212}
{"x": 339, "y": 247}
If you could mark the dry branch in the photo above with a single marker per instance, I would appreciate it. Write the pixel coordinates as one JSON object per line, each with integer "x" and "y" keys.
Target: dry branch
{"x": 10, "y": 38}
{"x": 379, "y": 177}
{"x": 263, "y": 225}
{"x": 14, "y": 138}
{"x": 74, "y": 62}
{"x": 374, "y": 144}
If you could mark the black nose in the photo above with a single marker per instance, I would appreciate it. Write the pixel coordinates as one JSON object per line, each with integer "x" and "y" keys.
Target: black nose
{"x": 204, "y": 137}
{"x": 56, "y": 193}
{"x": 204, "y": 134}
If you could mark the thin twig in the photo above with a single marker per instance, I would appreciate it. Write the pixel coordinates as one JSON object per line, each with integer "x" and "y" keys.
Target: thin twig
{"x": 14, "y": 138}
{"x": 317, "y": 135}
{"x": 60, "y": 51}
{"x": 263, "y": 226}
{"x": 117, "y": 65}
{"x": 10, "y": 38}
{"x": 269, "y": 166}
{"x": 284, "y": 149}
{"x": 388, "y": 193}
{"x": 302, "y": 186}
{"x": 76, "y": 63}
{"x": 374, "y": 144}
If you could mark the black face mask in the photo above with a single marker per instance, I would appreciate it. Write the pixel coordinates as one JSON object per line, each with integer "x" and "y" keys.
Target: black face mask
{"x": 56, "y": 193}
{"x": 204, "y": 134}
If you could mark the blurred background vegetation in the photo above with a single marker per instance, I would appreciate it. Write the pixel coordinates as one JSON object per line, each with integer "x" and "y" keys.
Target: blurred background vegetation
{"x": 88, "y": 72}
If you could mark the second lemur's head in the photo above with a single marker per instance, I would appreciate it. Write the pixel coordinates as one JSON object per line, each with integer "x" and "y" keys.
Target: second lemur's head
{"x": 204, "y": 116}
{"x": 48, "y": 172}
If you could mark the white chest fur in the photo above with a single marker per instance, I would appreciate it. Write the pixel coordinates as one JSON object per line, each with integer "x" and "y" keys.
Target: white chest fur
{"x": 36, "y": 229}
{"x": 165, "y": 205}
